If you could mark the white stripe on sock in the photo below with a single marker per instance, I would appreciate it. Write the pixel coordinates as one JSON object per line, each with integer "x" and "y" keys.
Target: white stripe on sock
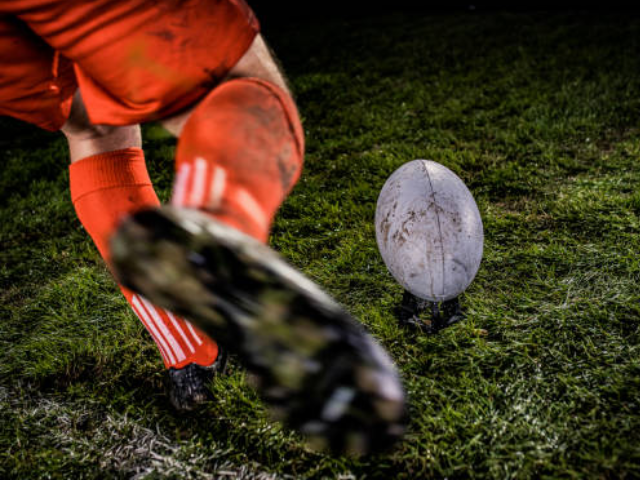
{"x": 180, "y": 185}
{"x": 177, "y": 349}
{"x": 163, "y": 354}
{"x": 250, "y": 205}
{"x": 180, "y": 330}
{"x": 218, "y": 185}
{"x": 144, "y": 317}
{"x": 199, "y": 180}
{"x": 193, "y": 332}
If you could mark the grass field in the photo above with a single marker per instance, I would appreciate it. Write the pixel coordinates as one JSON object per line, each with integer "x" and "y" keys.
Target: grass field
{"x": 537, "y": 113}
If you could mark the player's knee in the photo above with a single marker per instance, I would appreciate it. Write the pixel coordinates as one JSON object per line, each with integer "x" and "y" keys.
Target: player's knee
{"x": 78, "y": 125}
{"x": 252, "y": 126}
{"x": 257, "y": 62}
{"x": 86, "y": 139}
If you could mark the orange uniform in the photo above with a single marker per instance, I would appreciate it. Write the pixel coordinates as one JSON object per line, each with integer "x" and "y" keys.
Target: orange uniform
{"x": 134, "y": 60}
{"x": 239, "y": 153}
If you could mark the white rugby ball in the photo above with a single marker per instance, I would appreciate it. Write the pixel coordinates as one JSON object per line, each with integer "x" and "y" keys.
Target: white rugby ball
{"x": 429, "y": 230}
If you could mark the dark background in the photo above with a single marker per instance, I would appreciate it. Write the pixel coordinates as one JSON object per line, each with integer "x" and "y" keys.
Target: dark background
{"x": 274, "y": 13}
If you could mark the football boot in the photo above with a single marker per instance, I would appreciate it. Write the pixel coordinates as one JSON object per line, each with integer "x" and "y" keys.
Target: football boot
{"x": 188, "y": 386}
{"x": 315, "y": 366}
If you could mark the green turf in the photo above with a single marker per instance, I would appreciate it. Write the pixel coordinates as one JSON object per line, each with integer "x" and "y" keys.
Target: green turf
{"x": 539, "y": 114}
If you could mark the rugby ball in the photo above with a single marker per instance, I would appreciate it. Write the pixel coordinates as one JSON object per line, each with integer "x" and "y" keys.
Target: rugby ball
{"x": 429, "y": 231}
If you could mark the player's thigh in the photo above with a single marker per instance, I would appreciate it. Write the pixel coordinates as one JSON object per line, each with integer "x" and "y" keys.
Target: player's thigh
{"x": 257, "y": 62}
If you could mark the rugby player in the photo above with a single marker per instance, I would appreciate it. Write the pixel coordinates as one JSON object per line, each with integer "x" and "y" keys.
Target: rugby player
{"x": 95, "y": 71}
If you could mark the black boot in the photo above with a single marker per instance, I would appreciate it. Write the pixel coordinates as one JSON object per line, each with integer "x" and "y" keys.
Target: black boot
{"x": 189, "y": 384}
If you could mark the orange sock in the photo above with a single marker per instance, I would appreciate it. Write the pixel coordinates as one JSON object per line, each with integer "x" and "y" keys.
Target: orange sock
{"x": 105, "y": 188}
{"x": 239, "y": 154}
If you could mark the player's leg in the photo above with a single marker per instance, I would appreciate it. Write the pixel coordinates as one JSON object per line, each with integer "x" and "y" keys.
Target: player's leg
{"x": 109, "y": 180}
{"x": 241, "y": 148}
{"x": 317, "y": 366}
{"x": 240, "y": 151}
{"x": 257, "y": 62}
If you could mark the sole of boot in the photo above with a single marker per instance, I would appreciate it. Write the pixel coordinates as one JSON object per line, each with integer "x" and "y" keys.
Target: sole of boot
{"x": 316, "y": 367}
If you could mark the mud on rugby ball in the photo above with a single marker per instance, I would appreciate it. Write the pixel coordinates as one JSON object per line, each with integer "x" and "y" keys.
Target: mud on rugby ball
{"x": 429, "y": 230}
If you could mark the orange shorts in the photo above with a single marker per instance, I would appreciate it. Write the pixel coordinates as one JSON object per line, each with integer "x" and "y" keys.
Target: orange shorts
{"x": 134, "y": 60}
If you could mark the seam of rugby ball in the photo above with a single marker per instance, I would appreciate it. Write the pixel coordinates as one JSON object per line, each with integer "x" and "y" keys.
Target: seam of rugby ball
{"x": 435, "y": 206}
